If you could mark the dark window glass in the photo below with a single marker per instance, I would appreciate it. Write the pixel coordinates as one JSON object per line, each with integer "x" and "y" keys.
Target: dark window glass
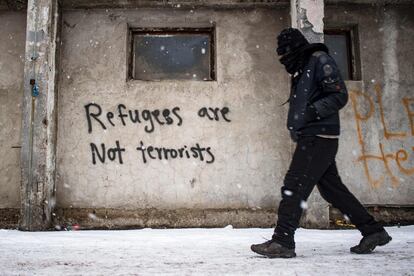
{"x": 166, "y": 55}
{"x": 339, "y": 45}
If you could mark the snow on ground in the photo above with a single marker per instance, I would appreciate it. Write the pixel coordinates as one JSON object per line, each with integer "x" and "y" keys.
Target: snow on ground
{"x": 197, "y": 251}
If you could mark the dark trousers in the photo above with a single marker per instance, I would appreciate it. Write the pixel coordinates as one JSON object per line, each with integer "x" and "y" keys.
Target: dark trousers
{"x": 313, "y": 163}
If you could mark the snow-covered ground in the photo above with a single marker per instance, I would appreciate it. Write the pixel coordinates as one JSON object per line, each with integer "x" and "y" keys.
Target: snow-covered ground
{"x": 197, "y": 251}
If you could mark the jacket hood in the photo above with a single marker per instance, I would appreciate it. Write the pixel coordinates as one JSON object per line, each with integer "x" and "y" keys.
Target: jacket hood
{"x": 295, "y": 60}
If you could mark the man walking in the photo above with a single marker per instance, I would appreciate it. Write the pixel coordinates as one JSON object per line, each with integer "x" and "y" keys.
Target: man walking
{"x": 317, "y": 94}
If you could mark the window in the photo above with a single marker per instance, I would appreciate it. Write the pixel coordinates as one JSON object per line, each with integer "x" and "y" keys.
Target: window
{"x": 172, "y": 54}
{"x": 342, "y": 47}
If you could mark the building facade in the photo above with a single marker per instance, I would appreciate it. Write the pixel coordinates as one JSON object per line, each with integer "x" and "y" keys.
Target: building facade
{"x": 120, "y": 114}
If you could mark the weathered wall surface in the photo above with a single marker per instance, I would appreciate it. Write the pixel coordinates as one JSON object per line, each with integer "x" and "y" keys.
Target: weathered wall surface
{"x": 376, "y": 155}
{"x": 12, "y": 45}
{"x": 251, "y": 153}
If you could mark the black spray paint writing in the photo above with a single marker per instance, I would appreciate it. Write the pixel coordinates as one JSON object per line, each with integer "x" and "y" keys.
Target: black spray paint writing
{"x": 214, "y": 113}
{"x": 112, "y": 153}
{"x": 151, "y": 119}
{"x": 162, "y": 153}
{"x": 124, "y": 116}
{"x": 104, "y": 153}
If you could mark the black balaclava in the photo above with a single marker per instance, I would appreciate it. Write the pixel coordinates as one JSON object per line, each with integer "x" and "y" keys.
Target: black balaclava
{"x": 295, "y": 49}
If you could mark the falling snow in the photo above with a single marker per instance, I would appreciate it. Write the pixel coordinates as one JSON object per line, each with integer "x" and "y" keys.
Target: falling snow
{"x": 303, "y": 204}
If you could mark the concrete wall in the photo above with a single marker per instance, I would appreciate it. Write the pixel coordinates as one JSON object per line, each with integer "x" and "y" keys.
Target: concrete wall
{"x": 12, "y": 47}
{"x": 379, "y": 116}
{"x": 251, "y": 152}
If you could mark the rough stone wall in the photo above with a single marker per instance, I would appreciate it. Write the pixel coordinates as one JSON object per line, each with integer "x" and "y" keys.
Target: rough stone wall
{"x": 376, "y": 155}
{"x": 251, "y": 152}
{"x": 12, "y": 45}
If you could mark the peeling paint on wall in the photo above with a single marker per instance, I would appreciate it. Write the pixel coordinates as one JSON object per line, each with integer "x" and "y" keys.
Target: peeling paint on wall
{"x": 312, "y": 15}
{"x": 307, "y": 15}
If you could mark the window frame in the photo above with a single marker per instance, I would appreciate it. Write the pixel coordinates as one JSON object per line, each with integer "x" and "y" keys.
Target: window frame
{"x": 132, "y": 31}
{"x": 353, "y": 54}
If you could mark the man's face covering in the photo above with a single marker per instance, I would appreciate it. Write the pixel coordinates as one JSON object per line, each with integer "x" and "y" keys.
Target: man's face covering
{"x": 290, "y": 40}
{"x": 290, "y": 45}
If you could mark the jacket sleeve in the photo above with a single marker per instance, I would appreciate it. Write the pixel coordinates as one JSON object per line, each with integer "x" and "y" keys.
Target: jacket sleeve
{"x": 334, "y": 94}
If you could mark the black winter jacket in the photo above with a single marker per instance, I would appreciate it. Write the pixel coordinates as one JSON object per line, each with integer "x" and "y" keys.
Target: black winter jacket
{"x": 316, "y": 97}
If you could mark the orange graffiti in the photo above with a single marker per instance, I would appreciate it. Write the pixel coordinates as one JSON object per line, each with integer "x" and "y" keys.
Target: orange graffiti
{"x": 358, "y": 118}
{"x": 387, "y": 134}
{"x": 402, "y": 155}
{"x": 407, "y": 102}
{"x": 399, "y": 157}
